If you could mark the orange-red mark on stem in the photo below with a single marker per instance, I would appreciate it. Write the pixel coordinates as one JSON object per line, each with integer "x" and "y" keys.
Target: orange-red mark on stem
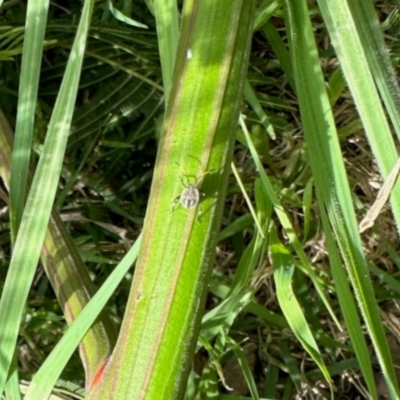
{"x": 98, "y": 374}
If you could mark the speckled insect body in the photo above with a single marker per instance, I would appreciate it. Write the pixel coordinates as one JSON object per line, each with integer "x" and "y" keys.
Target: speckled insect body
{"x": 190, "y": 196}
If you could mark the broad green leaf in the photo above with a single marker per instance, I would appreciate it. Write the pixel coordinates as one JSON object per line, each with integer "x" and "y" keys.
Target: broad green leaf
{"x": 163, "y": 315}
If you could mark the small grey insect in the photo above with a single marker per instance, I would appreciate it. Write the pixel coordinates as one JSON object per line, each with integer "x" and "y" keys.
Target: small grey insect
{"x": 190, "y": 197}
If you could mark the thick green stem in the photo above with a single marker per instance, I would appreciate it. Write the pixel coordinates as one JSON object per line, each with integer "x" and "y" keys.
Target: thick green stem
{"x": 154, "y": 351}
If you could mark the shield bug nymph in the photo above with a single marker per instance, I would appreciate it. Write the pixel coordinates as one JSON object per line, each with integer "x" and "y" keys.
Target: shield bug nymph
{"x": 190, "y": 196}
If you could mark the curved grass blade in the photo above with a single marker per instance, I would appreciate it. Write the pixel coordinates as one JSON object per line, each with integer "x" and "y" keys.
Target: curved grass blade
{"x": 284, "y": 267}
{"x": 327, "y": 162}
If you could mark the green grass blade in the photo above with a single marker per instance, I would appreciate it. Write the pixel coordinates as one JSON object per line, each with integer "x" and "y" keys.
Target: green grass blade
{"x": 50, "y": 371}
{"x": 376, "y": 52}
{"x": 62, "y": 263}
{"x": 284, "y": 220}
{"x": 265, "y": 11}
{"x": 251, "y": 97}
{"x": 354, "y": 63}
{"x": 40, "y": 201}
{"x": 328, "y": 167}
{"x": 123, "y": 18}
{"x": 280, "y": 49}
{"x": 5, "y": 149}
{"x": 35, "y": 27}
{"x": 348, "y": 307}
{"x": 245, "y": 369}
{"x": 167, "y": 19}
{"x": 12, "y": 389}
{"x": 284, "y": 267}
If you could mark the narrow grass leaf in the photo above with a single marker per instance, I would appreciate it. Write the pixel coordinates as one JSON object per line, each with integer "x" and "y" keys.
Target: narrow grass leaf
{"x": 167, "y": 22}
{"x": 245, "y": 369}
{"x": 251, "y": 97}
{"x": 389, "y": 280}
{"x": 224, "y": 314}
{"x": 123, "y": 18}
{"x": 247, "y": 198}
{"x": 291, "y": 365}
{"x": 49, "y": 372}
{"x": 265, "y": 11}
{"x": 283, "y": 264}
{"x": 348, "y": 306}
{"x": 279, "y": 47}
{"x": 326, "y": 159}
{"x": 237, "y": 226}
{"x": 284, "y": 220}
{"x": 352, "y": 44}
{"x": 40, "y": 201}
{"x": 370, "y": 33}
{"x": 35, "y": 27}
